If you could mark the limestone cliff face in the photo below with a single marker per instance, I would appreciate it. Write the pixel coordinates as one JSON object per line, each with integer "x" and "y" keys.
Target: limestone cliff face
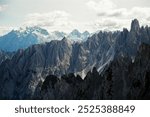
{"x": 5, "y": 56}
{"x": 122, "y": 79}
{"x": 29, "y": 67}
{"x": 112, "y": 54}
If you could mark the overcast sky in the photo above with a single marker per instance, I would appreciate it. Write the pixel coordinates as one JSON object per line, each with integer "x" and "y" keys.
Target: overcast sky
{"x": 66, "y": 15}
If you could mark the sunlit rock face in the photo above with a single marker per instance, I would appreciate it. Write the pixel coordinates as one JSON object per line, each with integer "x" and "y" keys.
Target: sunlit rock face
{"x": 61, "y": 68}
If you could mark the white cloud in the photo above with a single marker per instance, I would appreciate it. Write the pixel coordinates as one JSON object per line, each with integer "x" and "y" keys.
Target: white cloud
{"x": 107, "y": 16}
{"x": 109, "y": 24}
{"x": 111, "y": 17}
{"x": 53, "y": 20}
{"x": 139, "y": 12}
{"x": 102, "y": 5}
{"x": 3, "y": 7}
{"x": 5, "y": 29}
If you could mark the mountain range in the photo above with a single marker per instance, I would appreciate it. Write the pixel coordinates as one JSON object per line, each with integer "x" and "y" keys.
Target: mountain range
{"x": 123, "y": 79}
{"x": 23, "y": 38}
{"x": 107, "y": 65}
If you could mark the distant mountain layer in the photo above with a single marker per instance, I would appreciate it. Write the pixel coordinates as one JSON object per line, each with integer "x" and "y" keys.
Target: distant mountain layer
{"x": 23, "y": 38}
{"x": 113, "y": 55}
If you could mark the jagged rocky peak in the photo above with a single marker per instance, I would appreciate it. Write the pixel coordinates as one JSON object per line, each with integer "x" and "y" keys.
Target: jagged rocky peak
{"x": 38, "y": 29}
{"x": 135, "y": 26}
{"x": 65, "y": 40}
{"x": 75, "y": 32}
{"x": 114, "y": 54}
{"x": 28, "y": 30}
{"x": 125, "y": 30}
{"x": 59, "y": 34}
{"x": 86, "y": 32}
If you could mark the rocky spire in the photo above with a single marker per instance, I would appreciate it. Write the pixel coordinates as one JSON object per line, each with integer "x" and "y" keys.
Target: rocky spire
{"x": 135, "y": 25}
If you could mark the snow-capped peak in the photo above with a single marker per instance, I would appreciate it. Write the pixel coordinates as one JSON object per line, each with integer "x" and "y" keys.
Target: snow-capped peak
{"x": 75, "y": 35}
{"x": 24, "y": 37}
{"x": 75, "y": 32}
{"x": 29, "y": 30}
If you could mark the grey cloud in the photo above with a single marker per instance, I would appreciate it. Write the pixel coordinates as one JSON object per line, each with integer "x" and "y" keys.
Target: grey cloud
{"x": 102, "y": 14}
{"x": 148, "y": 18}
{"x": 116, "y": 14}
{"x": 107, "y": 25}
{"x": 113, "y": 14}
